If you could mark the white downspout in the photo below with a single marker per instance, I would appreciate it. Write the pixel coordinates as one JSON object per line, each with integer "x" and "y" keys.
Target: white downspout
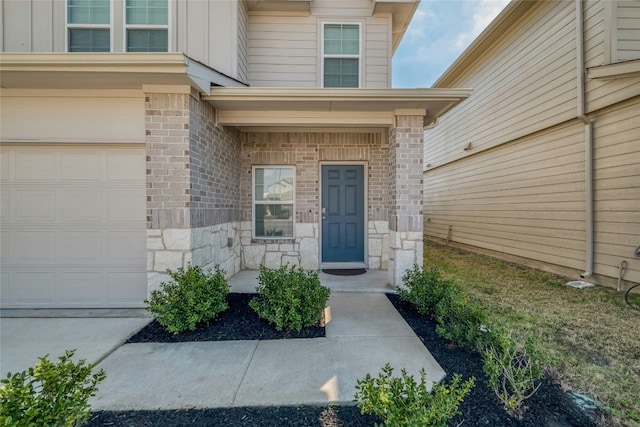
{"x": 588, "y": 141}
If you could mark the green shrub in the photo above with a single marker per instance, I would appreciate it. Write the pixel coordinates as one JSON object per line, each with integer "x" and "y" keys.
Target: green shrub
{"x": 463, "y": 322}
{"x": 49, "y": 394}
{"x": 401, "y": 401}
{"x": 290, "y": 298}
{"x": 425, "y": 288}
{"x": 514, "y": 369}
{"x": 193, "y": 297}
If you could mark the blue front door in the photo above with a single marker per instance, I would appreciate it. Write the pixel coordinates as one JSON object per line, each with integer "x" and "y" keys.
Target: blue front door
{"x": 342, "y": 211}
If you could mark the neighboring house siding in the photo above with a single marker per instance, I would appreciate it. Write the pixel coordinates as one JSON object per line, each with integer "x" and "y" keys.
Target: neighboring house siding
{"x": 525, "y": 198}
{"x": 519, "y": 191}
{"x": 628, "y": 34}
{"x": 285, "y": 51}
{"x": 528, "y": 89}
{"x": 243, "y": 49}
{"x": 617, "y": 188}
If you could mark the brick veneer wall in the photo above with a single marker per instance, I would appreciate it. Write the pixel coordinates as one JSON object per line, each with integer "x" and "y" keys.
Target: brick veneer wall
{"x": 167, "y": 143}
{"x": 192, "y": 187}
{"x": 405, "y": 204}
{"x": 306, "y": 151}
{"x": 215, "y": 168}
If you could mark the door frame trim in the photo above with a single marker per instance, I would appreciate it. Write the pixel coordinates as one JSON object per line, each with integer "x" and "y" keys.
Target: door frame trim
{"x": 365, "y": 178}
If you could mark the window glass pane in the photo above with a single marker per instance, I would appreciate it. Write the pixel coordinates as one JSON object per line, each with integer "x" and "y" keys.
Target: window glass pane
{"x": 341, "y": 39}
{"x": 89, "y": 40}
{"x": 340, "y": 72}
{"x": 147, "y": 12}
{"x": 273, "y": 184}
{"x": 147, "y": 41}
{"x": 274, "y": 220}
{"x": 88, "y": 11}
{"x": 350, "y": 47}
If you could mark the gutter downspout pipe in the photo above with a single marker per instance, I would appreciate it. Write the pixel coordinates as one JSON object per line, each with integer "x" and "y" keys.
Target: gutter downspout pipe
{"x": 588, "y": 141}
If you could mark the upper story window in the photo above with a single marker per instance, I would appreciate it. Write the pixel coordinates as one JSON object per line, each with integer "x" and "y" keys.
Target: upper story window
{"x": 273, "y": 202}
{"x": 147, "y": 25}
{"x": 341, "y": 55}
{"x": 88, "y": 25}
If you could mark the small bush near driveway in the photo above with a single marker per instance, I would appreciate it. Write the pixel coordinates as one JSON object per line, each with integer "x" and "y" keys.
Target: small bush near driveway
{"x": 49, "y": 394}
{"x": 193, "y": 297}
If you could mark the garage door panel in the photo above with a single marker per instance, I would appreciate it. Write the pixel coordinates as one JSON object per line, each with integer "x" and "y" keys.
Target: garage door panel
{"x": 125, "y": 205}
{"x": 82, "y": 287}
{"x": 32, "y": 247}
{"x": 35, "y": 206}
{"x": 81, "y": 165}
{"x": 122, "y": 286}
{"x": 73, "y": 226}
{"x": 122, "y": 166}
{"x": 126, "y": 247}
{"x": 4, "y": 244}
{"x": 80, "y": 247}
{"x": 33, "y": 164}
{"x": 4, "y": 165}
{"x": 32, "y": 288}
{"x": 5, "y": 203}
{"x": 81, "y": 205}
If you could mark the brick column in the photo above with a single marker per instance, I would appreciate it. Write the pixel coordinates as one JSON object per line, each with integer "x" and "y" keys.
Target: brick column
{"x": 168, "y": 183}
{"x": 406, "y": 199}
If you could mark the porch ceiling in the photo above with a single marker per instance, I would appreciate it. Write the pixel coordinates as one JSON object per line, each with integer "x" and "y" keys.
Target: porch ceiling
{"x": 318, "y": 107}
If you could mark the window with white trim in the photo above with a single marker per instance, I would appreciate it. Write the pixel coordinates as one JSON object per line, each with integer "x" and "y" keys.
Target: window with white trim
{"x": 273, "y": 202}
{"x": 146, "y": 25}
{"x": 88, "y": 25}
{"x": 341, "y": 55}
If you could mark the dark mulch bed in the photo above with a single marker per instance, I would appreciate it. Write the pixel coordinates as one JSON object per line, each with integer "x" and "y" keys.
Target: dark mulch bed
{"x": 238, "y": 322}
{"x": 550, "y": 407}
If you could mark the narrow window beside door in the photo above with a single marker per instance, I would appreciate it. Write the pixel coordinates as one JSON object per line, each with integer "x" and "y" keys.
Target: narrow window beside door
{"x": 273, "y": 202}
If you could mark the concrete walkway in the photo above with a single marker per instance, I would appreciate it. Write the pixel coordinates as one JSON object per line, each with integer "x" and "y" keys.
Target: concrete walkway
{"x": 363, "y": 333}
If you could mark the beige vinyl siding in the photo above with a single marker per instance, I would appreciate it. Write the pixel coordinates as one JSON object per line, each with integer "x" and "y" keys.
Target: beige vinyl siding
{"x": 594, "y": 33}
{"x": 628, "y": 34}
{"x": 377, "y": 53}
{"x": 283, "y": 51}
{"x": 243, "y": 50}
{"x": 617, "y": 189}
{"x": 32, "y": 26}
{"x": 528, "y": 89}
{"x": 525, "y": 198}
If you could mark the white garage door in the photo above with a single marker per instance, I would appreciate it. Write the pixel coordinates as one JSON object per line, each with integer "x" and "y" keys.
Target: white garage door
{"x": 72, "y": 226}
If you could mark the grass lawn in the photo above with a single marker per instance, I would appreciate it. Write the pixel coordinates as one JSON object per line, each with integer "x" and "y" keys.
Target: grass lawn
{"x": 592, "y": 336}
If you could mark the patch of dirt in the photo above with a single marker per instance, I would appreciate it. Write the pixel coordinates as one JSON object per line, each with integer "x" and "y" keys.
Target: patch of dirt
{"x": 550, "y": 406}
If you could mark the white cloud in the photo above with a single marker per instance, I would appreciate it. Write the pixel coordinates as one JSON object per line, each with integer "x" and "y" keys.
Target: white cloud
{"x": 484, "y": 12}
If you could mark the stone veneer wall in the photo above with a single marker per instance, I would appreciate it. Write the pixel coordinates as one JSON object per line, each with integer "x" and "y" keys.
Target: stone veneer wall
{"x": 192, "y": 181}
{"x": 405, "y": 173}
{"x": 306, "y": 151}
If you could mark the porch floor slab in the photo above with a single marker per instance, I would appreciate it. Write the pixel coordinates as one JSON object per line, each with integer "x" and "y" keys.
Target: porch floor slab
{"x": 246, "y": 281}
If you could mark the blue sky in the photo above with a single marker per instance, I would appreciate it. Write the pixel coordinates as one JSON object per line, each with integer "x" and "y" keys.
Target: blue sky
{"x": 438, "y": 34}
